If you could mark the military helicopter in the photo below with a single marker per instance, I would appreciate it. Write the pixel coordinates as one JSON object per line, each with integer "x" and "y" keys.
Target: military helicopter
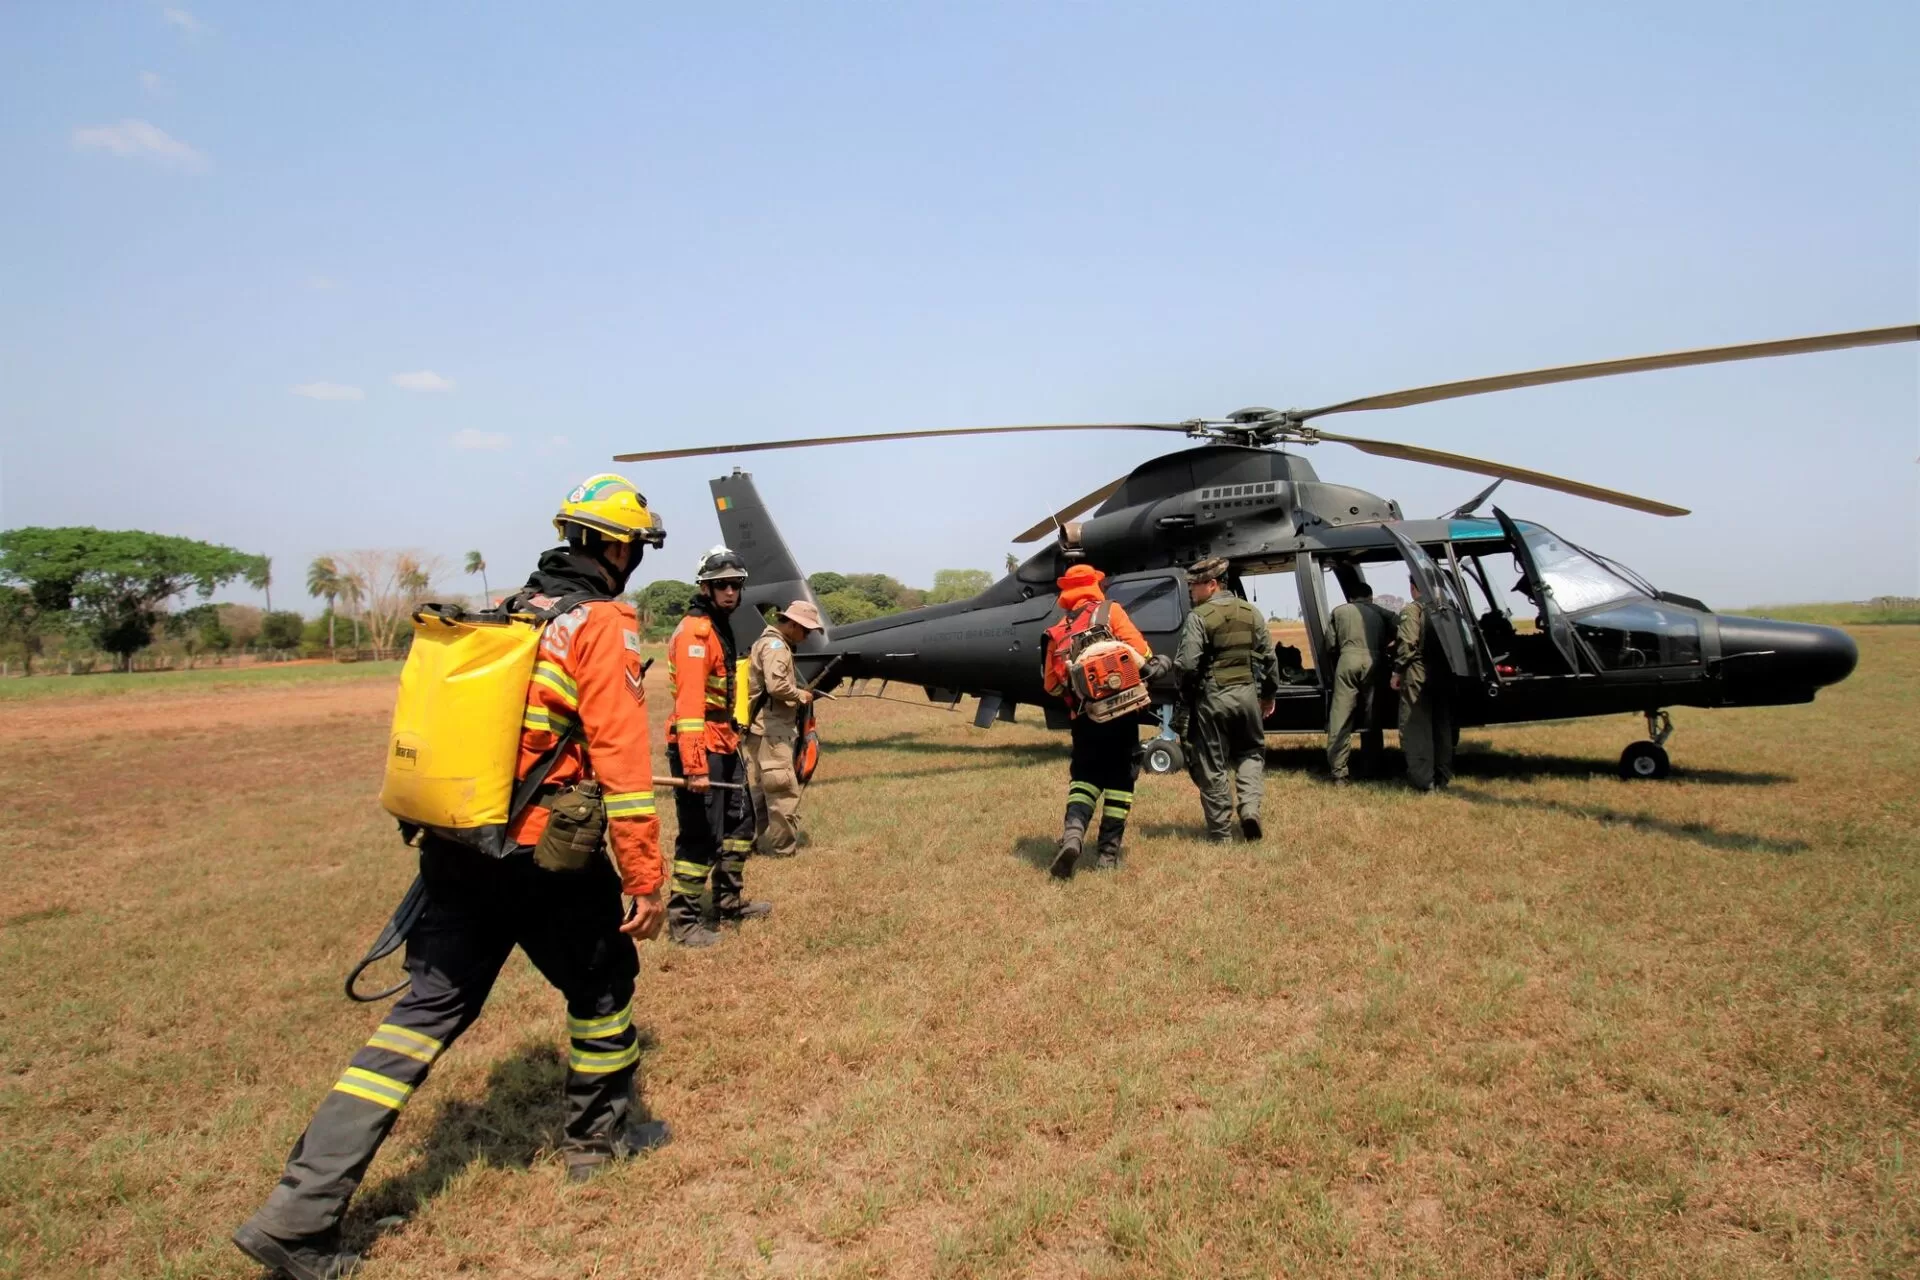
{"x": 1605, "y": 640}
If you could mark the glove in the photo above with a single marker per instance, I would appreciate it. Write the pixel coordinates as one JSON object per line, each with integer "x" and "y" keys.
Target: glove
{"x": 1158, "y": 665}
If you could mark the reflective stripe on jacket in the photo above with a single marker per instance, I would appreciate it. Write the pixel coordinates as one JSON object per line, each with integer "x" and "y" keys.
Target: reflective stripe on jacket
{"x": 700, "y": 675}
{"x": 588, "y": 675}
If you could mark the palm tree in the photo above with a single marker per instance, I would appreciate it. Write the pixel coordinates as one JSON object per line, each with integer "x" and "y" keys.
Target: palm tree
{"x": 324, "y": 581}
{"x": 260, "y": 578}
{"x": 477, "y": 564}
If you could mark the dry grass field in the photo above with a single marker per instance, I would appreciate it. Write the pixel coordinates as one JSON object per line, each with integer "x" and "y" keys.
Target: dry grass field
{"x": 1548, "y": 1024}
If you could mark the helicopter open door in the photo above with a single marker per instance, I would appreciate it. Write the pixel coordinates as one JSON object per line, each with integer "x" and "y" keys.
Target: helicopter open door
{"x": 1444, "y": 607}
{"x": 1559, "y": 630}
{"x": 1313, "y": 608}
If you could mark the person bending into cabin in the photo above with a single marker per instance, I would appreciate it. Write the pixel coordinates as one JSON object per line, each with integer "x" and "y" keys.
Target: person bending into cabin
{"x": 774, "y": 699}
{"x": 1362, "y": 633}
{"x": 1105, "y": 758}
{"x": 1226, "y": 660}
{"x": 703, "y": 747}
{"x": 557, "y": 899}
{"x": 1425, "y": 684}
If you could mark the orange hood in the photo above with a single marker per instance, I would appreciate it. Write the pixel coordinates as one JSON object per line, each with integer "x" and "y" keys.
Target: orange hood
{"x": 1080, "y": 586}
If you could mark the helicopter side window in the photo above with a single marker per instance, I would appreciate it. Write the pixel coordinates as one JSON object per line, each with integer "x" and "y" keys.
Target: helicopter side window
{"x": 1149, "y": 602}
{"x": 1578, "y": 580}
{"x": 1641, "y": 635}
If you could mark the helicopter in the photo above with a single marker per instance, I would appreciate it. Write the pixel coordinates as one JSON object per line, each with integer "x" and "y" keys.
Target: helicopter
{"x": 1605, "y": 640}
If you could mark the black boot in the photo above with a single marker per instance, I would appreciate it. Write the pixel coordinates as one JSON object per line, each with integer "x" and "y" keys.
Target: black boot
{"x": 743, "y": 910}
{"x": 730, "y": 904}
{"x": 315, "y": 1257}
{"x": 1073, "y": 836}
{"x": 1112, "y": 832}
{"x": 685, "y": 924}
{"x": 637, "y": 1140}
{"x": 1250, "y": 828}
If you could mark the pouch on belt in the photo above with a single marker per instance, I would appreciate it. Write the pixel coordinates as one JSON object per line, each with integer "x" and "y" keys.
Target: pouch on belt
{"x": 576, "y": 828}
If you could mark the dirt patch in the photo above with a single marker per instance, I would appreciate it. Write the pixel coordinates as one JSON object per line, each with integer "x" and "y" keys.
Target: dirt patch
{"x": 66, "y": 720}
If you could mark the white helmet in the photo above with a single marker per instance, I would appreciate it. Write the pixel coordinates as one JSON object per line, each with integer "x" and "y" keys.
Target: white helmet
{"x": 720, "y": 564}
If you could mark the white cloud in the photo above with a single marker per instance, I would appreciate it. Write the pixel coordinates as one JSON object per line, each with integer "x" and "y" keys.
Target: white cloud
{"x": 329, "y": 391}
{"x": 183, "y": 20}
{"x": 138, "y": 138}
{"x": 424, "y": 380}
{"x": 156, "y": 84}
{"x": 489, "y": 441}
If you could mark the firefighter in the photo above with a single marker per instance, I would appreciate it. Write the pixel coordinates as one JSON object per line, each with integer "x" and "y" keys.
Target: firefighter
{"x": 775, "y": 697}
{"x": 1226, "y": 662}
{"x": 703, "y": 747}
{"x": 1105, "y": 756}
{"x": 585, "y": 708}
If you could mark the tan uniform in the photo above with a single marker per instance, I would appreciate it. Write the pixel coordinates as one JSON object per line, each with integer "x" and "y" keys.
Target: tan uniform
{"x": 773, "y": 701}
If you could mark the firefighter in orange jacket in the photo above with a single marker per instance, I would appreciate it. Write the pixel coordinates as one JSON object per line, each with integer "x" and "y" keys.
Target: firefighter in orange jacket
{"x": 1105, "y": 756}
{"x": 586, "y": 704}
{"x": 703, "y": 746}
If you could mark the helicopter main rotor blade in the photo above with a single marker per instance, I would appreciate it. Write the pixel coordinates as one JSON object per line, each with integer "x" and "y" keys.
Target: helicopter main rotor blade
{"x": 1069, "y": 511}
{"x": 1480, "y": 466}
{"x": 758, "y": 446}
{"x": 1632, "y": 364}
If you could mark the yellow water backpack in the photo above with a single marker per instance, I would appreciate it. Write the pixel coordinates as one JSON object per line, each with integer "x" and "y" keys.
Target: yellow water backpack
{"x": 455, "y": 742}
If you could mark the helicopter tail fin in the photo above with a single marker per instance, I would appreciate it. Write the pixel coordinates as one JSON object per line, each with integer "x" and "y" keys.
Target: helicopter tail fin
{"x": 773, "y": 577}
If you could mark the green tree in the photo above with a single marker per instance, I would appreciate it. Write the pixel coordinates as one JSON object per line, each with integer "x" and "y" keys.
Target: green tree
{"x": 662, "y": 604}
{"x": 848, "y": 606}
{"x": 281, "y": 630}
{"x": 825, "y": 584}
{"x": 260, "y": 577}
{"x": 23, "y": 623}
{"x": 476, "y": 563}
{"x": 1013, "y": 562}
{"x": 323, "y": 583}
{"x": 883, "y": 592}
{"x": 958, "y": 584}
{"x": 116, "y": 583}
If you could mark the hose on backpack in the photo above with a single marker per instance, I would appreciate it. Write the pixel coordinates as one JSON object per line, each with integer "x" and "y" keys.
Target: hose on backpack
{"x": 405, "y": 916}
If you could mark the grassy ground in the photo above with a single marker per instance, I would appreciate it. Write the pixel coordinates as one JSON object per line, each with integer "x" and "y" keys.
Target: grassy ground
{"x": 114, "y": 684}
{"x": 1549, "y": 1024}
{"x": 1886, "y": 611}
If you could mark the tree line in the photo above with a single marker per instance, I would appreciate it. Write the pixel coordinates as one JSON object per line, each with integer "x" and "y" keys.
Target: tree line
{"x": 85, "y": 591}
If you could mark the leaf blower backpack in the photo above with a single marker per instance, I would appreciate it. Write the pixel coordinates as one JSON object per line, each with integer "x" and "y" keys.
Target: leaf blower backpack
{"x": 1103, "y": 672}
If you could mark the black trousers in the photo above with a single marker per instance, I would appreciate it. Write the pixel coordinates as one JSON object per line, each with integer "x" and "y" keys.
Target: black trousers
{"x": 1101, "y": 773}
{"x": 715, "y": 830}
{"x": 478, "y": 908}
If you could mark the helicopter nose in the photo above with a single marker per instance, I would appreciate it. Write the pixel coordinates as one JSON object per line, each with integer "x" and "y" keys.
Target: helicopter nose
{"x": 1799, "y": 653}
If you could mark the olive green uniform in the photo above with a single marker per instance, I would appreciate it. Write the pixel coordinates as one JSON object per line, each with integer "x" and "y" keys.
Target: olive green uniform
{"x": 1362, "y": 632}
{"x": 1426, "y": 700}
{"x": 773, "y": 700}
{"x": 1226, "y": 659}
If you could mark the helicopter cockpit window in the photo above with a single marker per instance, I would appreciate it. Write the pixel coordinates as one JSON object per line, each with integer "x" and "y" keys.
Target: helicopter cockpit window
{"x": 1578, "y": 580}
{"x": 1149, "y": 602}
{"x": 1641, "y": 635}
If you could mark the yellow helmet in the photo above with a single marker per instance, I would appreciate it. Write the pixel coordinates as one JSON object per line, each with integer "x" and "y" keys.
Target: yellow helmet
{"x": 610, "y": 505}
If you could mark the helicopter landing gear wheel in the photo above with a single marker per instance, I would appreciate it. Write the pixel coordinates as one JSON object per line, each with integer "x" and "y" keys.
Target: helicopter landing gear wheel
{"x": 1645, "y": 760}
{"x": 1163, "y": 755}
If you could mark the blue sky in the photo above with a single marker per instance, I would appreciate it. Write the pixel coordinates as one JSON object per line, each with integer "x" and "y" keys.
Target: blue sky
{"x": 234, "y": 230}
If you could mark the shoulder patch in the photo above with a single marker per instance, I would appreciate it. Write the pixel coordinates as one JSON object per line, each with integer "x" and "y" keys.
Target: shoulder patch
{"x": 696, "y": 651}
{"x": 776, "y": 644}
{"x": 631, "y": 639}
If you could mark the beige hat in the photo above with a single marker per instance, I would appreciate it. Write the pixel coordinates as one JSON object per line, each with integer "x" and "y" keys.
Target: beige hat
{"x": 804, "y": 613}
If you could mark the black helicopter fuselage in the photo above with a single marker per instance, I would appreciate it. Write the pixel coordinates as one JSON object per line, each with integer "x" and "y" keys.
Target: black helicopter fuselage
{"x": 1604, "y": 642}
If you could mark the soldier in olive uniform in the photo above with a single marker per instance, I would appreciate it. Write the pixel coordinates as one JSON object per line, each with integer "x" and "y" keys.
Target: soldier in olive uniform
{"x": 1226, "y": 660}
{"x": 1362, "y": 632}
{"x": 774, "y": 698}
{"x": 1425, "y": 682}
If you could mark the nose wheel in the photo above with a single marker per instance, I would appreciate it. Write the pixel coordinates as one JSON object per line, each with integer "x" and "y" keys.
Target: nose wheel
{"x": 1161, "y": 753}
{"x": 1649, "y": 759}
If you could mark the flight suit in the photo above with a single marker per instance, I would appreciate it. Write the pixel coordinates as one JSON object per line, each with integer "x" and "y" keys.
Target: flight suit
{"x": 1362, "y": 633}
{"x": 1426, "y": 700}
{"x": 1227, "y": 654}
{"x": 586, "y": 698}
{"x": 773, "y": 700}
{"x": 715, "y": 829}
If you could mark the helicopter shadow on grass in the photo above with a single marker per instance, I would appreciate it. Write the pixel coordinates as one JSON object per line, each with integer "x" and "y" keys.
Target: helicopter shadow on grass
{"x": 1475, "y": 761}
{"x": 1698, "y": 832}
{"x": 520, "y": 1117}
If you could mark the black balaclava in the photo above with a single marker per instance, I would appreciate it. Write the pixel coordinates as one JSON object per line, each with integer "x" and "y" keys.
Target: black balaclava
{"x": 581, "y": 566}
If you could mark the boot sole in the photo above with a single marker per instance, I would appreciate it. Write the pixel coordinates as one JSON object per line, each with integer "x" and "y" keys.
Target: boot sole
{"x": 271, "y": 1254}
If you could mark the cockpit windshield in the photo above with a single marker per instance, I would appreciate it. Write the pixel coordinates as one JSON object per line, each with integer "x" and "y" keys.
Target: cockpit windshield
{"x": 1578, "y": 579}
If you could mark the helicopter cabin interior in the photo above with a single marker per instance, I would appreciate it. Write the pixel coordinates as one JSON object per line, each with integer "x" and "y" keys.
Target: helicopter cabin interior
{"x": 1605, "y": 617}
